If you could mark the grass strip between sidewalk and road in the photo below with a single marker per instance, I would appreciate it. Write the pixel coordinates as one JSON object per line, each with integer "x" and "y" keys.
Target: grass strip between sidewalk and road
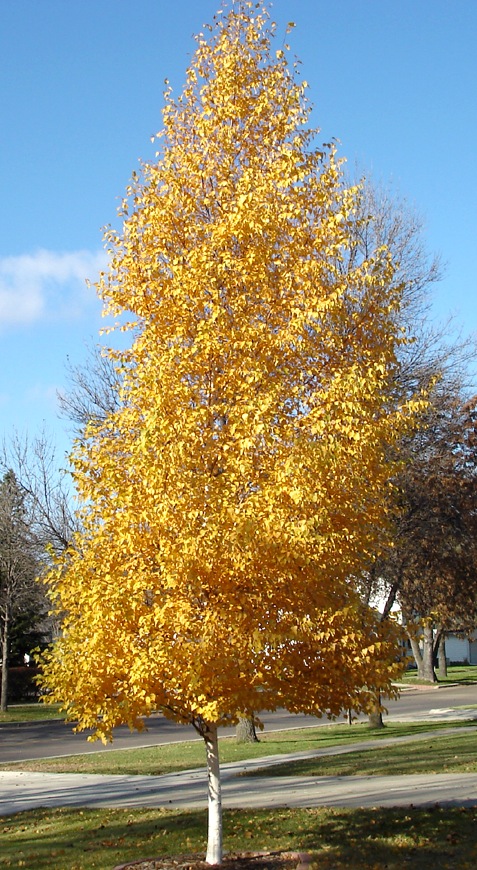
{"x": 76, "y": 839}
{"x": 442, "y": 753}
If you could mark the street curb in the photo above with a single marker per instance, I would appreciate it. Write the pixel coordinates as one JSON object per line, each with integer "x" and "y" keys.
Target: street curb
{"x": 425, "y": 687}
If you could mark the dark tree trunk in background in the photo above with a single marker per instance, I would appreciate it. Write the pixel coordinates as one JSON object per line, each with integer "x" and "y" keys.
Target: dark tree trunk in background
{"x": 375, "y": 718}
{"x": 4, "y": 680}
{"x": 246, "y": 732}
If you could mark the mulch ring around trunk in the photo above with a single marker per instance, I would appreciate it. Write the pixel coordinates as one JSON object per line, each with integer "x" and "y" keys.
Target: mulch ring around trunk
{"x": 231, "y": 861}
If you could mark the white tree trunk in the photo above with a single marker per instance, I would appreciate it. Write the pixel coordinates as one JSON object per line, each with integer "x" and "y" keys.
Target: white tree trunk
{"x": 441, "y": 652}
{"x": 214, "y": 843}
{"x": 425, "y": 658}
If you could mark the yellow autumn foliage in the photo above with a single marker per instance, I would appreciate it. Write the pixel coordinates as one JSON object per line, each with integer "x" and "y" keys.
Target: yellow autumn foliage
{"x": 230, "y": 501}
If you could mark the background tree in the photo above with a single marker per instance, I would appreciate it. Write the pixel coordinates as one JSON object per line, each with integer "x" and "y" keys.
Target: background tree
{"x": 385, "y": 220}
{"x": 19, "y": 566}
{"x": 429, "y": 569}
{"x": 437, "y": 353}
{"x": 435, "y": 557}
{"x": 236, "y": 490}
{"x": 94, "y": 390}
{"x": 46, "y": 487}
{"x": 48, "y": 506}
{"x": 436, "y": 360}
{"x": 31, "y": 629}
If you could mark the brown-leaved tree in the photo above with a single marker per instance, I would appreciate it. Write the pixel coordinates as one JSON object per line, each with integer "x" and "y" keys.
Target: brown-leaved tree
{"x": 434, "y": 559}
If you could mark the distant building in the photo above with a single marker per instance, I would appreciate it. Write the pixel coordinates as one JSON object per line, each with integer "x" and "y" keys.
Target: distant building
{"x": 461, "y": 649}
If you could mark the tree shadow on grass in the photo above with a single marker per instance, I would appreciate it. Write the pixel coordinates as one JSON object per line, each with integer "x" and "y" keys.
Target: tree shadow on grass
{"x": 393, "y": 838}
{"x": 79, "y": 839}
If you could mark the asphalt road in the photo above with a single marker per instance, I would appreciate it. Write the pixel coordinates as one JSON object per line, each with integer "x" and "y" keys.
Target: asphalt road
{"x": 54, "y": 738}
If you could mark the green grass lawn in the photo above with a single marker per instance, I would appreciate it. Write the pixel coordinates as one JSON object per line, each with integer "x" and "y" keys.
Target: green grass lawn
{"x": 73, "y": 839}
{"x": 157, "y": 760}
{"x": 30, "y": 713}
{"x": 466, "y": 674}
{"x": 446, "y": 753}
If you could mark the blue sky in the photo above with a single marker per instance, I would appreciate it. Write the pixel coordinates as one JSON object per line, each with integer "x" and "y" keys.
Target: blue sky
{"x": 81, "y": 94}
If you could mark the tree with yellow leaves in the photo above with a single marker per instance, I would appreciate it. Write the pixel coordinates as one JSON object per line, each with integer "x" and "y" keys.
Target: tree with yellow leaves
{"x": 241, "y": 482}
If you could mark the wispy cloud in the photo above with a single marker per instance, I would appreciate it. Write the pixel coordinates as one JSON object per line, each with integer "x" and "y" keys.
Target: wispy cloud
{"x": 46, "y": 285}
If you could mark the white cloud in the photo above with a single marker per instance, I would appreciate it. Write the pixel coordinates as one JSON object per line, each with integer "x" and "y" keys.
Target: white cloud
{"x": 46, "y": 285}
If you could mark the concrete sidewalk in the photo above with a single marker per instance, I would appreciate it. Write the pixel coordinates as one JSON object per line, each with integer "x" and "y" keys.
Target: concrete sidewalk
{"x": 21, "y": 790}
{"x": 26, "y": 791}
